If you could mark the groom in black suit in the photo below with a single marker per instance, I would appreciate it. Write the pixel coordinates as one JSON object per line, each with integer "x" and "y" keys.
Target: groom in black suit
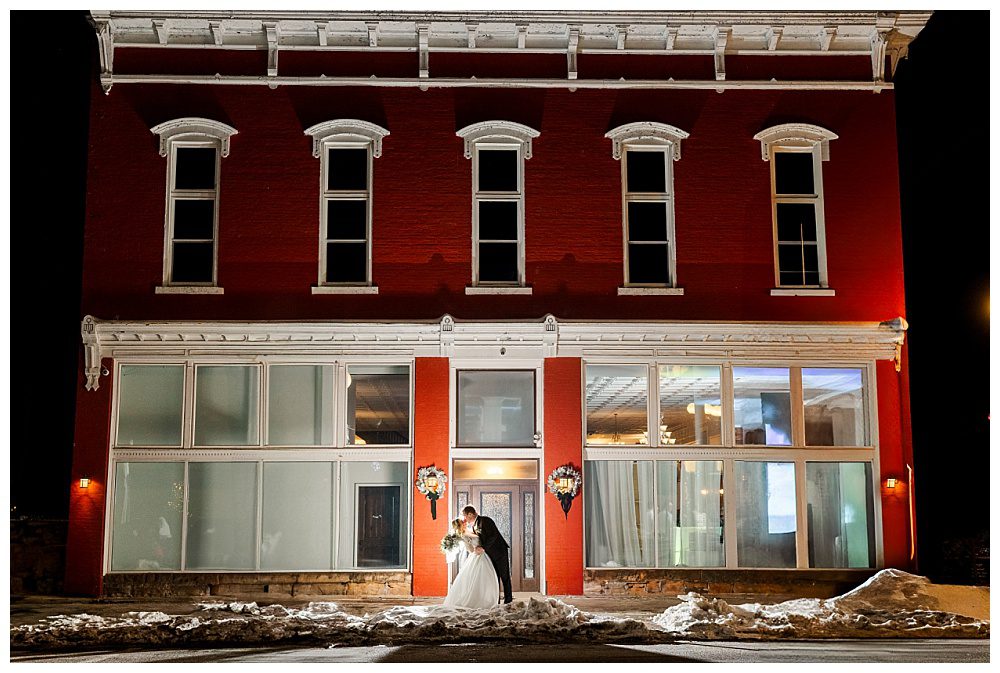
{"x": 491, "y": 542}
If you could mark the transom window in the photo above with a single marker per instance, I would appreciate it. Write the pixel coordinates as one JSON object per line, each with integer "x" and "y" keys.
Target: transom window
{"x": 647, "y": 151}
{"x": 194, "y": 148}
{"x": 796, "y": 153}
{"x": 498, "y": 150}
{"x": 346, "y": 148}
{"x": 496, "y": 408}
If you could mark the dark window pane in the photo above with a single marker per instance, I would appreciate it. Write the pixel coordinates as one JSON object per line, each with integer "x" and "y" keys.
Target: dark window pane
{"x": 647, "y": 221}
{"x": 789, "y": 258}
{"x": 346, "y": 262}
{"x": 347, "y": 169}
{"x": 811, "y": 255}
{"x": 812, "y": 278}
{"x": 791, "y": 278}
{"x": 194, "y": 219}
{"x": 793, "y": 173}
{"x": 498, "y": 262}
{"x": 498, "y": 170}
{"x": 347, "y": 220}
{"x": 646, "y": 171}
{"x": 796, "y": 222}
{"x": 648, "y": 264}
{"x": 195, "y": 168}
{"x": 498, "y": 220}
{"x": 192, "y": 262}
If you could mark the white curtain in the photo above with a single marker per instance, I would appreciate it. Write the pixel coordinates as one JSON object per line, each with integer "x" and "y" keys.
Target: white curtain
{"x": 620, "y": 514}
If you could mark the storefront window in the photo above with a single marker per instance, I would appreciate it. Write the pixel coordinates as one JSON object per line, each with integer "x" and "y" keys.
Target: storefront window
{"x": 762, "y": 406}
{"x": 834, "y": 407}
{"x": 765, "y": 521}
{"x": 841, "y": 521}
{"x": 690, "y": 405}
{"x": 226, "y": 408}
{"x": 689, "y": 514}
{"x": 222, "y": 516}
{"x": 148, "y": 510}
{"x": 617, "y": 400}
{"x": 620, "y": 521}
{"x": 378, "y": 404}
{"x": 373, "y": 514}
{"x": 297, "y": 522}
{"x": 150, "y": 403}
{"x": 300, "y": 405}
{"x": 496, "y": 408}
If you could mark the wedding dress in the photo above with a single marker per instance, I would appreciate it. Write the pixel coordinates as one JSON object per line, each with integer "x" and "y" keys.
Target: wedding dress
{"x": 476, "y": 585}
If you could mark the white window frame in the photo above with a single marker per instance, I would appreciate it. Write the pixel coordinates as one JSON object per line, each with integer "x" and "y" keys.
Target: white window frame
{"x": 498, "y": 135}
{"x": 345, "y": 134}
{"x": 187, "y": 132}
{"x": 799, "y": 138}
{"x": 649, "y": 137}
{"x": 729, "y": 452}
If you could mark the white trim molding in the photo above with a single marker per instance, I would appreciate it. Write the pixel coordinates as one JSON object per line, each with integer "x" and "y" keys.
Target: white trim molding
{"x": 795, "y": 135}
{"x": 168, "y": 340}
{"x": 646, "y": 133}
{"x": 344, "y": 289}
{"x": 497, "y": 130}
{"x": 649, "y": 291}
{"x": 803, "y": 292}
{"x": 349, "y": 130}
{"x": 196, "y": 127}
{"x": 189, "y": 289}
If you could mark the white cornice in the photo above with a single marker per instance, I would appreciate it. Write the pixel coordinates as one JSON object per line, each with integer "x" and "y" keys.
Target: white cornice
{"x": 817, "y": 342}
{"x": 497, "y": 129}
{"x": 645, "y": 132}
{"x": 193, "y": 127}
{"x": 796, "y": 135}
{"x": 347, "y": 128}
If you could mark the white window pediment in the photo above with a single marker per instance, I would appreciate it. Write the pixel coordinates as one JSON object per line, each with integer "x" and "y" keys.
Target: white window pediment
{"x": 347, "y": 130}
{"x": 193, "y": 128}
{"x": 796, "y": 135}
{"x": 646, "y": 133}
{"x": 497, "y": 131}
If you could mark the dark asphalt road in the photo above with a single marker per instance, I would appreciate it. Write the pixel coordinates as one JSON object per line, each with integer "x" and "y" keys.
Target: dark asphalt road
{"x": 830, "y": 651}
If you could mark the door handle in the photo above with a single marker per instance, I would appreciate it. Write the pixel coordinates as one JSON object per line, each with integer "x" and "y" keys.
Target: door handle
{"x": 376, "y": 516}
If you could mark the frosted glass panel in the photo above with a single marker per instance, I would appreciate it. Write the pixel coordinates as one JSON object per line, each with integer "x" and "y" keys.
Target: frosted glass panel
{"x": 763, "y": 410}
{"x": 300, "y": 406}
{"x": 620, "y": 521}
{"x": 374, "y": 500}
{"x": 222, "y": 516}
{"x": 841, "y": 521}
{"x": 297, "y": 521}
{"x": 834, "y": 407}
{"x": 689, "y": 514}
{"x": 617, "y": 398}
{"x": 226, "y": 411}
{"x": 765, "y": 519}
{"x": 529, "y": 535}
{"x": 149, "y": 406}
{"x": 149, "y": 502}
{"x": 496, "y": 408}
{"x": 690, "y": 405}
{"x": 378, "y": 404}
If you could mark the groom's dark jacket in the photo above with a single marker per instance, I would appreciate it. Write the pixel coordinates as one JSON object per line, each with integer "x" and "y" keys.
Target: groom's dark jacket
{"x": 490, "y": 538}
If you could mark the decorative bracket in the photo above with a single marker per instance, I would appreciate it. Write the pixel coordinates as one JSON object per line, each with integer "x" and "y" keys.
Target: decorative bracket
{"x": 423, "y": 42}
{"x": 796, "y": 135}
{"x": 648, "y": 133}
{"x": 91, "y": 353}
{"x": 177, "y": 129}
{"x": 271, "y": 30}
{"x": 106, "y": 49}
{"x": 878, "y": 41}
{"x": 897, "y": 325}
{"x": 572, "y": 52}
{"x": 347, "y": 129}
{"x": 721, "y": 40}
{"x": 497, "y": 129}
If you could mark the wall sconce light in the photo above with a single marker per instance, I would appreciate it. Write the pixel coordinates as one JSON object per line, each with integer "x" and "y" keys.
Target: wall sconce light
{"x": 84, "y": 482}
{"x": 893, "y": 486}
{"x": 431, "y": 482}
{"x": 890, "y": 483}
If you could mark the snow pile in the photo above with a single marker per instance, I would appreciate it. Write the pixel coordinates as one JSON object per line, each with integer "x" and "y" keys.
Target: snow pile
{"x": 891, "y": 604}
{"x": 324, "y": 623}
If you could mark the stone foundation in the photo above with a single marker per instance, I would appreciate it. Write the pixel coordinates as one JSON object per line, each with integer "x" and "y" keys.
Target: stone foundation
{"x": 784, "y": 583}
{"x": 128, "y": 585}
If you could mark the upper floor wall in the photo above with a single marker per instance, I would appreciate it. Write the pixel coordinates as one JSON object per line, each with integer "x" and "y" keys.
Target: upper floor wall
{"x": 422, "y": 250}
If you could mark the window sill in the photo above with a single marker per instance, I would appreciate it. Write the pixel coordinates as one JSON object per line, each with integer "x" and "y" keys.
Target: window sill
{"x": 499, "y": 289}
{"x": 803, "y": 292}
{"x": 641, "y": 291}
{"x": 188, "y": 289}
{"x": 345, "y": 289}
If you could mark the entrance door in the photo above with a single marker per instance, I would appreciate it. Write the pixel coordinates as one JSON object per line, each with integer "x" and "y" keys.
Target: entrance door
{"x": 378, "y": 526}
{"x": 512, "y": 506}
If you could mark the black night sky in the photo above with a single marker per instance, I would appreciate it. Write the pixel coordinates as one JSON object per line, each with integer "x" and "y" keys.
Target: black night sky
{"x": 942, "y": 102}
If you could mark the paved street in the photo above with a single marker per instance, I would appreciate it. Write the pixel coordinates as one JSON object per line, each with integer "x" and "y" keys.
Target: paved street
{"x": 831, "y": 651}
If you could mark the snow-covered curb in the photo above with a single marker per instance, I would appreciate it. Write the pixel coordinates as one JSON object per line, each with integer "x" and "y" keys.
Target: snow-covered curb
{"x": 892, "y": 604}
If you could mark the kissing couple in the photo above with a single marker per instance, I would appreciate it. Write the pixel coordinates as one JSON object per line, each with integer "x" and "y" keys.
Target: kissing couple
{"x": 487, "y": 565}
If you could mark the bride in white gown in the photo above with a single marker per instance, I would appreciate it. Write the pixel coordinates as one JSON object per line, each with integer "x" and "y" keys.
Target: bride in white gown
{"x": 476, "y": 585}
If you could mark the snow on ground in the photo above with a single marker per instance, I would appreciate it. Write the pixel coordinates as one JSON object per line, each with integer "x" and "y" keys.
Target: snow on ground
{"x": 892, "y": 604}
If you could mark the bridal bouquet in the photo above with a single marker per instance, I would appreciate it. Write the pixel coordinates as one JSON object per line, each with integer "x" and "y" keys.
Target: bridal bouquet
{"x": 451, "y": 545}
